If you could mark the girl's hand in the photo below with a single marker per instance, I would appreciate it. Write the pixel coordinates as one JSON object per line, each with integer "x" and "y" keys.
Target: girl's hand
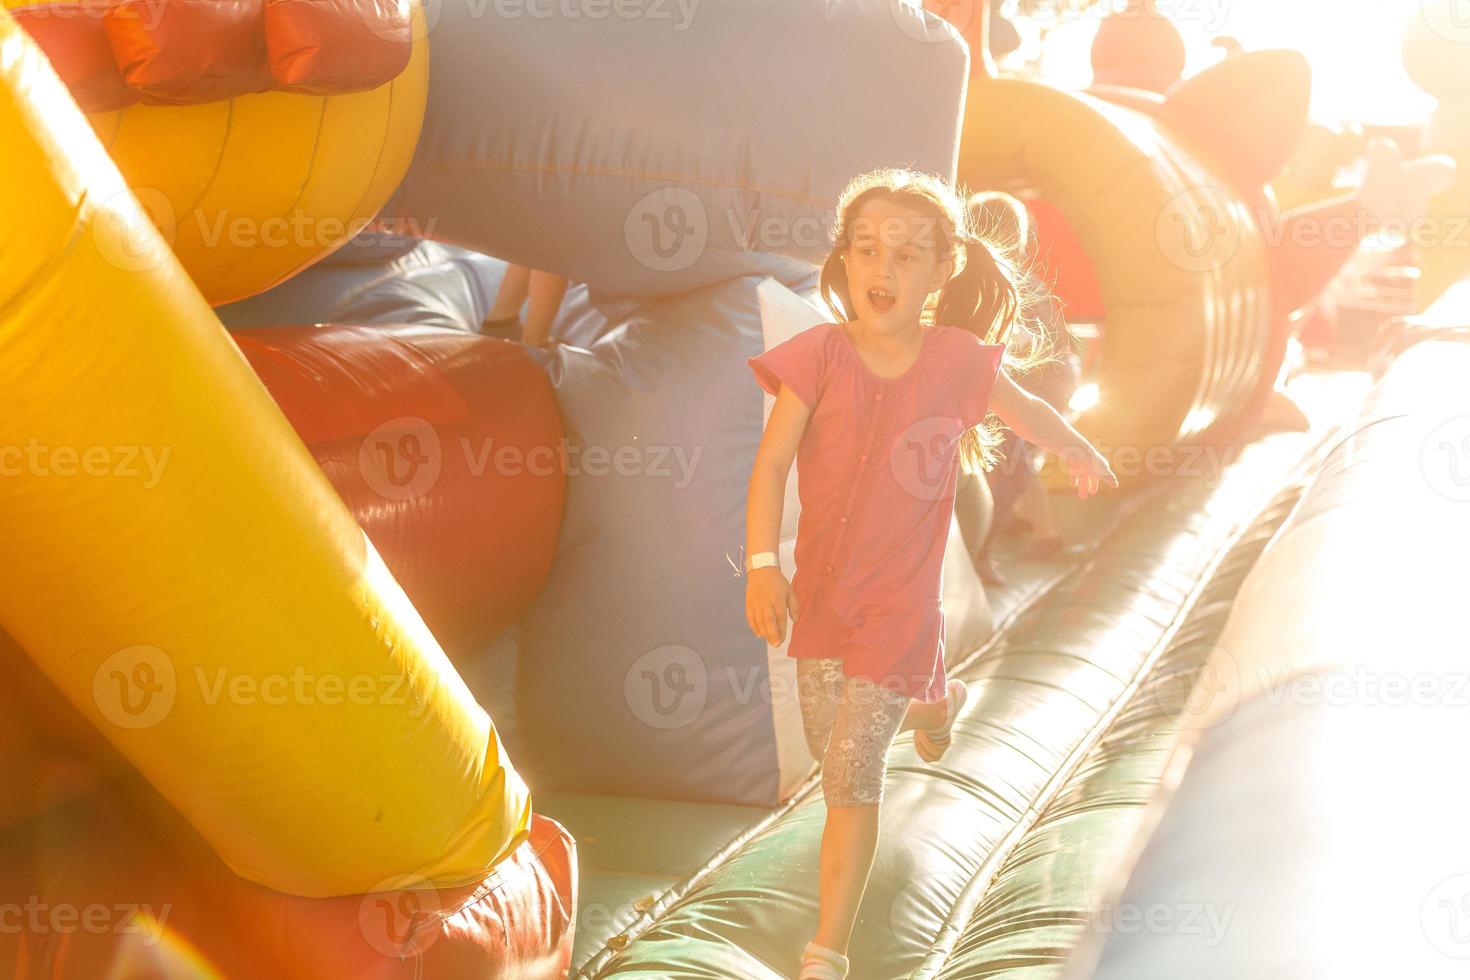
{"x": 1086, "y": 466}
{"x": 768, "y": 598}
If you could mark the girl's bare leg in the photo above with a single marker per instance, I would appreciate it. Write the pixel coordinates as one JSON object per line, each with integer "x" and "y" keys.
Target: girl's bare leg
{"x": 849, "y": 845}
{"x": 853, "y": 770}
{"x": 547, "y": 291}
{"x": 975, "y": 508}
{"x": 512, "y": 293}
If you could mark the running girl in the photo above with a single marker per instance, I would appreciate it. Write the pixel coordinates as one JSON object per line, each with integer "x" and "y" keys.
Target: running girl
{"x": 881, "y": 409}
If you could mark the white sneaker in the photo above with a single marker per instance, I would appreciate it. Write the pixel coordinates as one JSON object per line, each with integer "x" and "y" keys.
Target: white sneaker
{"x": 934, "y": 742}
{"x": 821, "y": 963}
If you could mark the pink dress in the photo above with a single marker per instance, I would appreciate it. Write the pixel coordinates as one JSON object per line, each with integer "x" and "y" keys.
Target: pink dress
{"x": 878, "y": 467}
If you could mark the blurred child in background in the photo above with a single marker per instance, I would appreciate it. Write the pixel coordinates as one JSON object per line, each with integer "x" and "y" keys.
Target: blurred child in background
{"x": 546, "y": 291}
{"x": 1020, "y": 499}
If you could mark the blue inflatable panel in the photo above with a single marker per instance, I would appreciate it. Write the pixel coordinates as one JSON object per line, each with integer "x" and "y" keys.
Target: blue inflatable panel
{"x": 650, "y": 153}
{"x": 639, "y": 675}
{"x": 380, "y": 279}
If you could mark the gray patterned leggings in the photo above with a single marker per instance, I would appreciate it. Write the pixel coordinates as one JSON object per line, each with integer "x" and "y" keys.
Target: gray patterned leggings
{"x": 849, "y": 722}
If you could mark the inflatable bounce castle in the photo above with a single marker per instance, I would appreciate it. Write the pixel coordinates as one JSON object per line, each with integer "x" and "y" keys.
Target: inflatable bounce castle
{"x": 341, "y": 638}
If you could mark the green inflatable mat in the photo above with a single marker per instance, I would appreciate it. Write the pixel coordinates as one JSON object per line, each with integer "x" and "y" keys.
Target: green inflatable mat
{"x": 989, "y": 861}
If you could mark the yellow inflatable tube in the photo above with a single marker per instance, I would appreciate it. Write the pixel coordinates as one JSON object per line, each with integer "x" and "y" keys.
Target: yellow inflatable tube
{"x": 1179, "y": 257}
{"x": 179, "y": 566}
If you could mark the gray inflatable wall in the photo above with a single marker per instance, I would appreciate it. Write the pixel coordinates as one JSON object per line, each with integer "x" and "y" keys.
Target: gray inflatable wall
{"x": 1319, "y": 828}
{"x": 673, "y": 145}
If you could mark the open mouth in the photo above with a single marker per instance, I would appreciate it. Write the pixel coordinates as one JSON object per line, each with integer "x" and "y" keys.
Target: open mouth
{"x": 881, "y": 299}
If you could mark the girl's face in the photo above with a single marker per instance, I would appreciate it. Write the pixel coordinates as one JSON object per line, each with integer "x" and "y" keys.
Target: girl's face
{"x": 894, "y": 264}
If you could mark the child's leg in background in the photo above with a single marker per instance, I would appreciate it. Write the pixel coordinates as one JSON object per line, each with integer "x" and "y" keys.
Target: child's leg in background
{"x": 1007, "y": 481}
{"x": 1034, "y": 505}
{"x": 1054, "y": 383}
{"x": 850, "y": 724}
{"x": 513, "y": 287}
{"x": 974, "y": 507}
{"x": 547, "y": 291}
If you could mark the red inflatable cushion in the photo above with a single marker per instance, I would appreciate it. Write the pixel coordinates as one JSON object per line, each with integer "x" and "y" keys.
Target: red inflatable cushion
{"x": 118, "y": 885}
{"x": 112, "y": 53}
{"x": 444, "y": 445}
{"x": 181, "y": 52}
{"x": 74, "y": 37}
{"x": 49, "y": 753}
{"x": 324, "y": 46}
{"x": 516, "y": 923}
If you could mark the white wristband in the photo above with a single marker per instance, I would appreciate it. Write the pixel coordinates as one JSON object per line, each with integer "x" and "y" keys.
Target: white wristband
{"x": 761, "y": 559}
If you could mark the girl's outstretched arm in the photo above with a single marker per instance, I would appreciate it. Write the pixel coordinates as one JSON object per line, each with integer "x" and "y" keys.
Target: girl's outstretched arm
{"x": 1034, "y": 420}
{"x": 768, "y": 595}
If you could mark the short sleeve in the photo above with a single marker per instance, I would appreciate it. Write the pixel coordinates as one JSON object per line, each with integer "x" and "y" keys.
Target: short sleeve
{"x": 799, "y": 362}
{"x": 977, "y": 371}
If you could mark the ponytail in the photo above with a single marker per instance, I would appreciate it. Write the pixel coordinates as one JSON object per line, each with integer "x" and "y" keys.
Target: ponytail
{"x": 833, "y": 285}
{"x": 983, "y": 297}
{"x": 988, "y": 297}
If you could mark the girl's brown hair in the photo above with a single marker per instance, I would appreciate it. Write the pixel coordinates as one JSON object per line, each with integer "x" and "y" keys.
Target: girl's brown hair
{"x": 988, "y": 293}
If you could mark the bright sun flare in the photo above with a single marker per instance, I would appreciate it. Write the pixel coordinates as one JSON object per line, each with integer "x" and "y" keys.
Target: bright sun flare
{"x": 1353, "y": 46}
